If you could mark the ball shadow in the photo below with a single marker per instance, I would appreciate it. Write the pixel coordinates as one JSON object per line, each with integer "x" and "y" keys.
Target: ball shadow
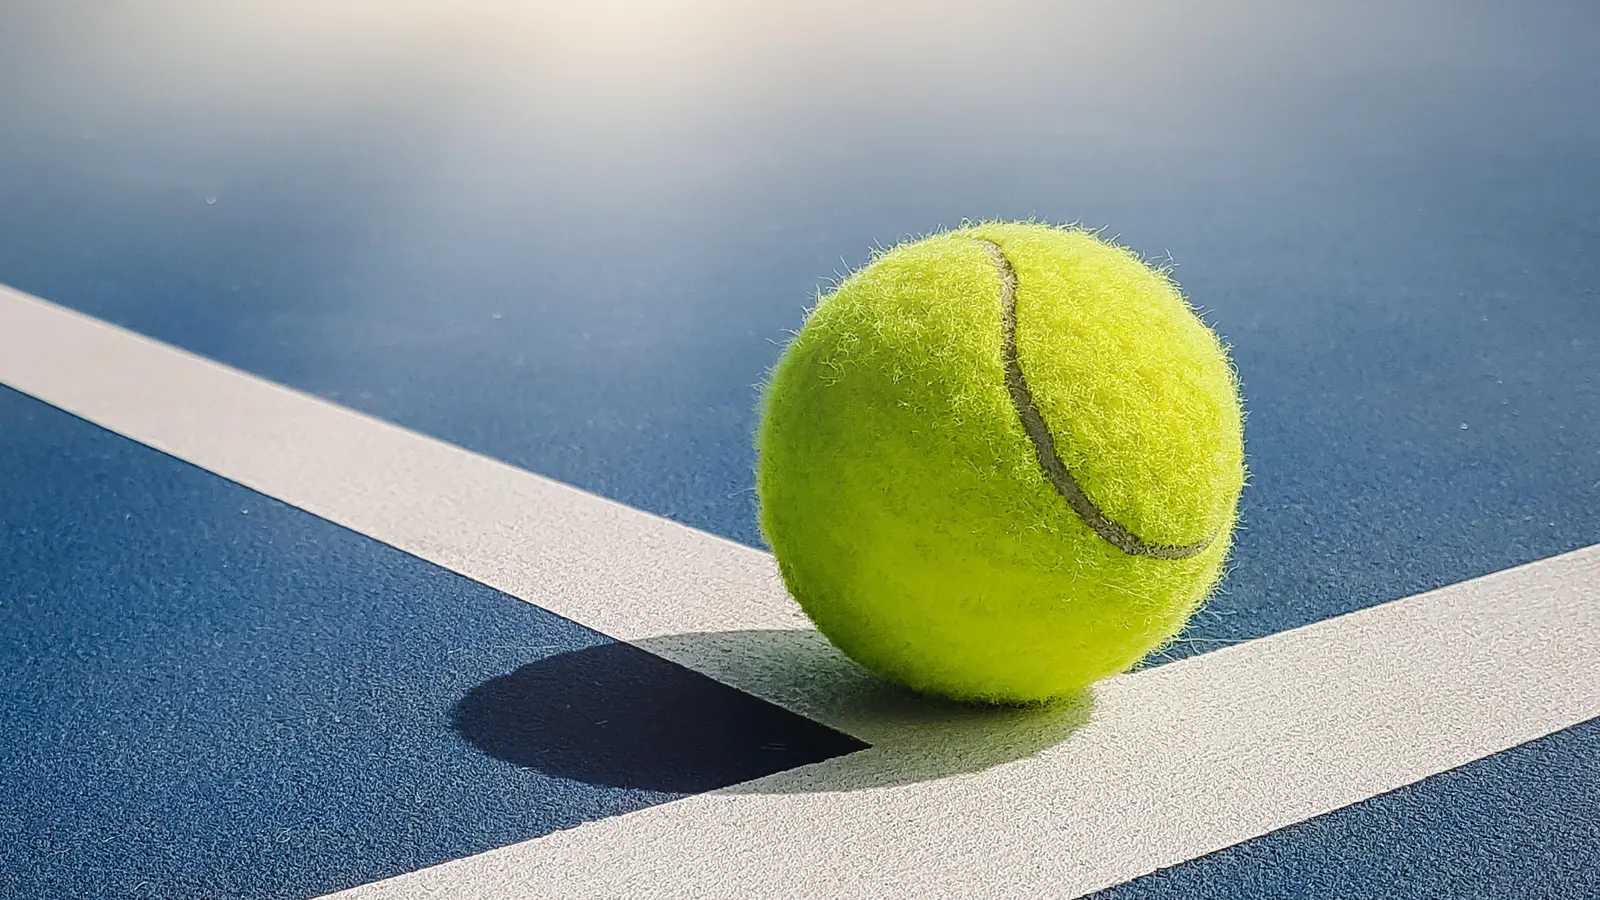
{"x": 617, "y": 716}
{"x": 913, "y": 738}
{"x": 782, "y": 711}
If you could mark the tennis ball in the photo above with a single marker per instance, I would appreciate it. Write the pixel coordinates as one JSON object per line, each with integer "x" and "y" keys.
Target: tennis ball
{"x": 1001, "y": 463}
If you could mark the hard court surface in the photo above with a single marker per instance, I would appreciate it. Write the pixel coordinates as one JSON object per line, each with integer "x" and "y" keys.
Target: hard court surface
{"x": 377, "y": 383}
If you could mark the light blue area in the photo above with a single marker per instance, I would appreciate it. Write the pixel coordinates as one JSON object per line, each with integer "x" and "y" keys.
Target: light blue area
{"x": 582, "y": 260}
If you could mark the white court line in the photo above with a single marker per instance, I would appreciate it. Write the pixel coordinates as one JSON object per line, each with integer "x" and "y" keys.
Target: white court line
{"x": 1172, "y": 763}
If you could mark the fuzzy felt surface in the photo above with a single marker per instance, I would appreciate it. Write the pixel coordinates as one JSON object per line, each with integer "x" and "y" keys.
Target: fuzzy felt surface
{"x": 907, "y": 505}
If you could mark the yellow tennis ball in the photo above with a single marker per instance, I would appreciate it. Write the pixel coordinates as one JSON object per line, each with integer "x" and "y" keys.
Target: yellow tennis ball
{"x": 1001, "y": 463}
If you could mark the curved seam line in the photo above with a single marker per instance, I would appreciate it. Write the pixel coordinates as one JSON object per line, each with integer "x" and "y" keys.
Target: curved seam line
{"x": 1044, "y": 445}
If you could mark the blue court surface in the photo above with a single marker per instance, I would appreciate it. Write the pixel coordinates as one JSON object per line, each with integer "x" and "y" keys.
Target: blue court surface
{"x": 377, "y": 390}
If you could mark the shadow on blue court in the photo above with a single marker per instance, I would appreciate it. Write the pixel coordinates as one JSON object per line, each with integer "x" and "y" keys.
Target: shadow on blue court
{"x": 614, "y": 715}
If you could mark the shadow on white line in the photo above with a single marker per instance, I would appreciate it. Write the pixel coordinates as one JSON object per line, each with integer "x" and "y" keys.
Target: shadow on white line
{"x": 913, "y": 738}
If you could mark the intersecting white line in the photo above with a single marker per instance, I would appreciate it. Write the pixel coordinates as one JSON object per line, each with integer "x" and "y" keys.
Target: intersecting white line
{"x": 1165, "y": 765}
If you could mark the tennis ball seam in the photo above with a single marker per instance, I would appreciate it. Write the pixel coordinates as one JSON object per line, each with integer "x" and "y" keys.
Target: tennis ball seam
{"x": 1044, "y": 445}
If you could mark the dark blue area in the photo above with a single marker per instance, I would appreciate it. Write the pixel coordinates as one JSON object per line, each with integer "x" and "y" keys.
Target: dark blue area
{"x": 576, "y": 241}
{"x": 204, "y": 692}
{"x": 1519, "y": 825}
